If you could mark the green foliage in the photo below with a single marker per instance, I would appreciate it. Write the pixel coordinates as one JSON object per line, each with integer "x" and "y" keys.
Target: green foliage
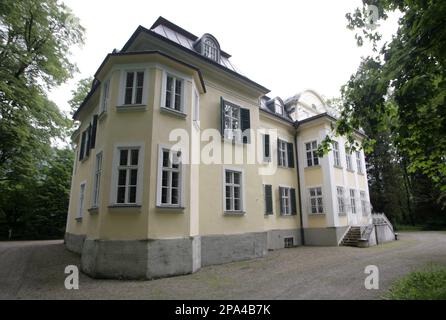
{"x": 79, "y": 94}
{"x": 35, "y": 38}
{"x": 398, "y": 96}
{"x": 36, "y": 208}
{"x": 427, "y": 284}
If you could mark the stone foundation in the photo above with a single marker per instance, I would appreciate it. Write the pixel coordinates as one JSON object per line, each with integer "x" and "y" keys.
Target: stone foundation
{"x": 324, "y": 236}
{"x": 157, "y": 258}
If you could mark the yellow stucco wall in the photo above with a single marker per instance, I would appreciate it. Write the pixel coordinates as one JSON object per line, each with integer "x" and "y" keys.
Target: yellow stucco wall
{"x": 202, "y": 212}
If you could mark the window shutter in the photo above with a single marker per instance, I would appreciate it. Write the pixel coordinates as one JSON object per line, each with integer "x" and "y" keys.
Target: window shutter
{"x": 81, "y": 153}
{"x": 268, "y": 199}
{"x": 290, "y": 155}
{"x": 293, "y": 201}
{"x": 278, "y": 152}
{"x": 266, "y": 151}
{"x": 281, "y": 202}
{"x": 222, "y": 116}
{"x": 245, "y": 124}
{"x": 88, "y": 146}
{"x": 93, "y": 131}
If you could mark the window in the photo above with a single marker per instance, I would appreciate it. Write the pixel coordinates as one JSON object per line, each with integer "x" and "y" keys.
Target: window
{"x": 341, "y": 203}
{"x": 80, "y": 209}
{"x": 85, "y": 144}
{"x": 196, "y": 106}
{"x": 316, "y": 205}
{"x": 287, "y": 201}
{"x": 348, "y": 160}
{"x": 283, "y": 153}
{"x": 311, "y": 150}
{"x": 288, "y": 242}
{"x": 268, "y": 199}
{"x": 127, "y": 183}
{"x": 174, "y": 93}
{"x": 105, "y": 96}
{"x": 233, "y": 190}
{"x": 359, "y": 162}
{"x": 266, "y": 148}
{"x": 232, "y": 121}
{"x": 97, "y": 180}
{"x": 210, "y": 49}
{"x": 134, "y": 84}
{"x": 363, "y": 203}
{"x": 170, "y": 179}
{"x": 235, "y": 122}
{"x": 336, "y": 156}
{"x": 352, "y": 200}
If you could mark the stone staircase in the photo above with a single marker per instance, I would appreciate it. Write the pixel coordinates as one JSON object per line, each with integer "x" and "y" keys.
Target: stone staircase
{"x": 352, "y": 237}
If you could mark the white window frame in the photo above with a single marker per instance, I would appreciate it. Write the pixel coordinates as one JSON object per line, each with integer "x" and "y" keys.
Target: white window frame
{"x": 173, "y": 95}
{"x": 233, "y": 133}
{"x": 316, "y": 196}
{"x": 348, "y": 160}
{"x": 340, "y": 194}
{"x": 232, "y": 185}
{"x": 81, "y": 200}
{"x": 359, "y": 162}
{"x": 210, "y": 51}
{"x": 87, "y": 141}
{"x": 196, "y": 107}
{"x": 115, "y": 173}
{"x": 124, "y": 86}
{"x": 285, "y": 199}
{"x": 282, "y": 146}
{"x": 310, "y": 162}
{"x": 97, "y": 180}
{"x": 363, "y": 199}
{"x": 336, "y": 154}
{"x": 173, "y": 154}
{"x": 105, "y": 96}
{"x": 353, "y": 208}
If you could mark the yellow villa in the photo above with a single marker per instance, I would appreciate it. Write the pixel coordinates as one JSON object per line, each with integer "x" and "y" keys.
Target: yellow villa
{"x": 183, "y": 162}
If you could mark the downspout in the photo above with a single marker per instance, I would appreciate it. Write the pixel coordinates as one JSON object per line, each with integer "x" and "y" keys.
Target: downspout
{"x": 302, "y": 233}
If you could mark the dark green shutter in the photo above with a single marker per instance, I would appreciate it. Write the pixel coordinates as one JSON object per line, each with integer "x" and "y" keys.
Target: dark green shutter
{"x": 278, "y": 152}
{"x": 280, "y": 199}
{"x": 293, "y": 201}
{"x": 266, "y": 151}
{"x": 268, "y": 199}
{"x": 88, "y": 146}
{"x": 82, "y": 149}
{"x": 222, "y": 116}
{"x": 93, "y": 131}
{"x": 245, "y": 124}
{"x": 290, "y": 155}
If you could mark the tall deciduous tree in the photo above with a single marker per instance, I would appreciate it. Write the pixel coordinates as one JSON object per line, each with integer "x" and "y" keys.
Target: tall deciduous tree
{"x": 405, "y": 81}
{"x": 35, "y": 38}
{"x": 35, "y": 41}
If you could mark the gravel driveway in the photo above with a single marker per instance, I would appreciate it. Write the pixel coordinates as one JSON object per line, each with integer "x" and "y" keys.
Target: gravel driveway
{"x": 35, "y": 270}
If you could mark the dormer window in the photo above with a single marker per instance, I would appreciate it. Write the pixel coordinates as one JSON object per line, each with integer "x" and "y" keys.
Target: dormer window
{"x": 208, "y": 46}
{"x": 210, "y": 49}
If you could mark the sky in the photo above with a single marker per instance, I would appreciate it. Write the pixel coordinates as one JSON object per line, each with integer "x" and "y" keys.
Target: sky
{"x": 286, "y": 46}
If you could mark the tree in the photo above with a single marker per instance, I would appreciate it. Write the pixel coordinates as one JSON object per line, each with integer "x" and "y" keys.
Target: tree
{"x": 35, "y": 37}
{"x": 404, "y": 81}
{"x": 36, "y": 207}
{"x": 78, "y": 95}
{"x": 35, "y": 41}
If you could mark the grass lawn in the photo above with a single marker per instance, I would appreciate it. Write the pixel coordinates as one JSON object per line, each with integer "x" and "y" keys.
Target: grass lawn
{"x": 426, "y": 284}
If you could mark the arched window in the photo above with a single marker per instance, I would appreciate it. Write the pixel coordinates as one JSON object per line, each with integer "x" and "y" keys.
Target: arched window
{"x": 210, "y": 49}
